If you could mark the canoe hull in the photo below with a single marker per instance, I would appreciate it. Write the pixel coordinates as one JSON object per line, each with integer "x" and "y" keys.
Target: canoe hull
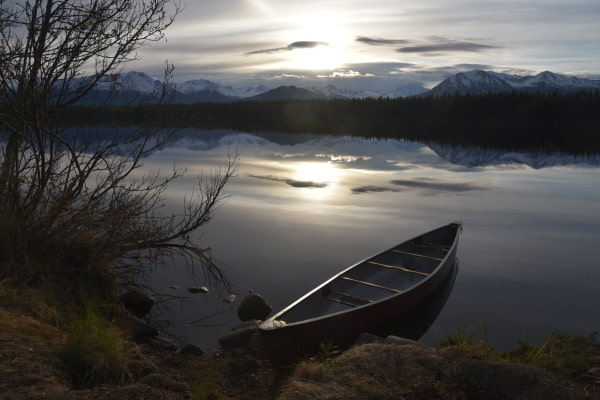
{"x": 291, "y": 342}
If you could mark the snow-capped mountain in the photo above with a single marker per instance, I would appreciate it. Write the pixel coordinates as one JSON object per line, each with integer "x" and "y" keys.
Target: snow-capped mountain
{"x": 137, "y": 85}
{"x": 333, "y": 92}
{"x": 286, "y": 93}
{"x": 203, "y": 86}
{"x": 482, "y": 82}
{"x": 130, "y": 82}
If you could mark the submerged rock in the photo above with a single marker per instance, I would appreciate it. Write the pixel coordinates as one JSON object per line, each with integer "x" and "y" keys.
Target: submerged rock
{"x": 137, "y": 302}
{"x": 253, "y": 306}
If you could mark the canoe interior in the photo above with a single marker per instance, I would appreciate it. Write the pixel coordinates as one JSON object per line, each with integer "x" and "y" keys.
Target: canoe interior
{"x": 387, "y": 274}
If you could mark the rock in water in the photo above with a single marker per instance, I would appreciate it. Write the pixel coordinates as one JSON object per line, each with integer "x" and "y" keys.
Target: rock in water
{"x": 253, "y": 306}
{"x": 230, "y": 298}
{"x": 200, "y": 289}
{"x": 137, "y": 302}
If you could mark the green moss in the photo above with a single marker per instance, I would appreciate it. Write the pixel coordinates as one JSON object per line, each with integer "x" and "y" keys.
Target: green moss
{"x": 96, "y": 352}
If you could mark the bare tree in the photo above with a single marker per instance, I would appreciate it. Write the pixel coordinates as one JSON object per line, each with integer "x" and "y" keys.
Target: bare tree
{"x": 69, "y": 203}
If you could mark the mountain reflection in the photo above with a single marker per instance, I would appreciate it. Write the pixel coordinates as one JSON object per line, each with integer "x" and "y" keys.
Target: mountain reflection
{"x": 352, "y": 152}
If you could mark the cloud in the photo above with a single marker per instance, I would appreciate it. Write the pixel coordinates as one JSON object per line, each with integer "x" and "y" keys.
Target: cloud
{"x": 435, "y": 44}
{"x": 380, "y": 41}
{"x": 348, "y": 73}
{"x": 292, "y": 182}
{"x": 304, "y": 44}
{"x": 436, "y": 186}
{"x": 373, "y": 189}
{"x": 448, "y": 46}
{"x": 431, "y": 186}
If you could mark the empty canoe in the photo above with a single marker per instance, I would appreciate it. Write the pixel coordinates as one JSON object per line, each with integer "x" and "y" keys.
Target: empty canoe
{"x": 362, "y": 297}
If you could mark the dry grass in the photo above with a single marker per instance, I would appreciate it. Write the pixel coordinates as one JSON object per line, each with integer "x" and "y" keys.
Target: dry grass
{"x": 381, "y": 371}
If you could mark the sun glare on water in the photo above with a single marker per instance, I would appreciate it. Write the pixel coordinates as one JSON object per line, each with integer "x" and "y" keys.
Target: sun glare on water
{"x": 317, "y": 179}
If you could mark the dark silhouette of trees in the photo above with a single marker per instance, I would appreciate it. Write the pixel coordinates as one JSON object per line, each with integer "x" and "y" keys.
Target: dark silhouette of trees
{"x": 509, "y": 121}
{"x": 70, "y": 206}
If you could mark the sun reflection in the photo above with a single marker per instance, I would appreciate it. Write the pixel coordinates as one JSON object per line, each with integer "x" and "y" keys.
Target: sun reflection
{"x": 318, "y": 178}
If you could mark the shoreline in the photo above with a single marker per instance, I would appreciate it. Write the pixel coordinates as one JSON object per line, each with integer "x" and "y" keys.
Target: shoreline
{"x": 32, "y": 366}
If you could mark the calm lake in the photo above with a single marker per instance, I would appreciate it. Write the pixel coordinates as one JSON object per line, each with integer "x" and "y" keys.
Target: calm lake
{"x": 304, "y": 207}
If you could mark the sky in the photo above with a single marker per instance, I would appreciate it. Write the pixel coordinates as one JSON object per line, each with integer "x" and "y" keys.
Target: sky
{"x": 376, "y": 43}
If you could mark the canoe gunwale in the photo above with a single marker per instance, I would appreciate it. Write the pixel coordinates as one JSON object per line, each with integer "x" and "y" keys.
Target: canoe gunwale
{"x": 273, "y": 323}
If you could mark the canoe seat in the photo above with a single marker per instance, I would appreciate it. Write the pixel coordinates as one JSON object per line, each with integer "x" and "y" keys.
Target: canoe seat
{"x": 373, "y": 285}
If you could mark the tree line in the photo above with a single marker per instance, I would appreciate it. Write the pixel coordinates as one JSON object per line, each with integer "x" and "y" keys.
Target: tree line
{"x": 511, "y": 121}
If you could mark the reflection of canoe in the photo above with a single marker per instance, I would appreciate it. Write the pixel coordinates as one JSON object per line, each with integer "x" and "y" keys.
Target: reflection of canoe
{"x": 416, "y": 322}
{"x": 363, "y": 296}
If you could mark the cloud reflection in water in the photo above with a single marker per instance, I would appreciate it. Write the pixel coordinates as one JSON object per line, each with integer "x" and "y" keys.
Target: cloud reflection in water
{"x": 292, "y": 182}
{"x": 437, "y": 186}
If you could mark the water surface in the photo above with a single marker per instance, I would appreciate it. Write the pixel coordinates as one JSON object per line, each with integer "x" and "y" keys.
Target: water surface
{"x": 304, "y": 207}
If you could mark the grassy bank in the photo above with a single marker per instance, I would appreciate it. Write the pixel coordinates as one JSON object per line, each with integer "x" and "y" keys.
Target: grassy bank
{"x": 50, "y": 350}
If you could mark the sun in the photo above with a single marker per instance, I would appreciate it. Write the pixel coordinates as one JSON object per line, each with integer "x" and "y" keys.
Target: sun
{"x": 318, "y": 58}
{"x": 324, "y": 28}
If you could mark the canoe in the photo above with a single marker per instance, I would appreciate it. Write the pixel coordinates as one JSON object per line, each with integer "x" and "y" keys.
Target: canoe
{"x": 362, "y": 297}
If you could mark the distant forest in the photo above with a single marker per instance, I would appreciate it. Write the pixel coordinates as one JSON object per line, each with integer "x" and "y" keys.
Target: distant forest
{"x": 555, "y": 122}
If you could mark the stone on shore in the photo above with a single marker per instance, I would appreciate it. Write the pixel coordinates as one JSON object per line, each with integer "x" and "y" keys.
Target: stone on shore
{"x": 239, "y": 335}
{"x": 253, "y": 306}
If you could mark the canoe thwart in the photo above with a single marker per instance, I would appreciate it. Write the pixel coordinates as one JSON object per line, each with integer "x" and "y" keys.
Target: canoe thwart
{"x": 374, "y": 285}
{"x": 410, "y": 271}
{"x": 417, "y": 255}
{"x": 434, "y": 246}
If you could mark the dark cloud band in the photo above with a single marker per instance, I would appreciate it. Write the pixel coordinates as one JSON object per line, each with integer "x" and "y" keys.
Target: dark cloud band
{"x": 447, "y": 47}
{"x": 435, "y": 45}
{"x": 303, "y": 44}
{"x": 380, "y": 42}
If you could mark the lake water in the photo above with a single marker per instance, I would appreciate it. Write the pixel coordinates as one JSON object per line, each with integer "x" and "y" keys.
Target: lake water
{"x": 303, "y": 207}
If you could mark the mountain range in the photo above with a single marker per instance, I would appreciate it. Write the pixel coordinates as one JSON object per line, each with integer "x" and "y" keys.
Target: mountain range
{"x": 484, "y": 82}
{"x": 134, "y": 87}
